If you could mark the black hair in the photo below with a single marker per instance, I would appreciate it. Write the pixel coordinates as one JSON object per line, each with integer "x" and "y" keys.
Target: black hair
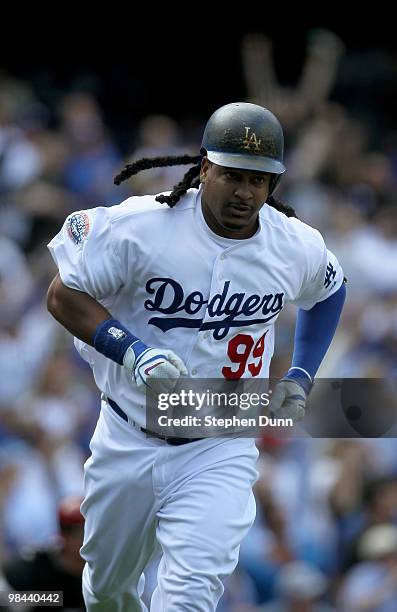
{"x": 281, "y": 207}
{"x": 191, "y": 179}
{"x": 372, "y": 488}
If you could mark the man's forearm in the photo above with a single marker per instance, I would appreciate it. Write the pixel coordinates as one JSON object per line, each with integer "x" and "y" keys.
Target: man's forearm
{"x": 89, "y": 321}
{"x": 315, "y": 329}
{"x": 78, "y": 312}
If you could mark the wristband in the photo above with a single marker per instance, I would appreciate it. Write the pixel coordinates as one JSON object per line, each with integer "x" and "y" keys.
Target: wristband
{"x": 302, "y": 377}
{"x": 112, "y": 339}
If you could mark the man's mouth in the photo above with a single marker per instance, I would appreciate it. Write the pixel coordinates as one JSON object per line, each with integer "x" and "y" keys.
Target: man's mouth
{"x": 238, "y": 208}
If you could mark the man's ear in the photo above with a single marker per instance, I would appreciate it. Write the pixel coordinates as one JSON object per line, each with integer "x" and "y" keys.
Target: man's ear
{"x": 205, "y": 165}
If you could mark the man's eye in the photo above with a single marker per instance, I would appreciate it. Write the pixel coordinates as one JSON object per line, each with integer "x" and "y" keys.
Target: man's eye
{"x": 231, "y": 175}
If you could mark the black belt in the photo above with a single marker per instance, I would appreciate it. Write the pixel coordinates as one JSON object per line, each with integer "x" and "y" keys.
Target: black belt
{"x": 152, "y": 434}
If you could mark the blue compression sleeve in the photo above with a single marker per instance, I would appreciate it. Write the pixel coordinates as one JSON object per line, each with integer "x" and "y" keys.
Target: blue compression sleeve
{"x": 314, "y": 331}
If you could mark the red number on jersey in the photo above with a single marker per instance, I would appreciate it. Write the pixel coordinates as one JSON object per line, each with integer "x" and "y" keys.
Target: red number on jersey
{"x": 239, "y": 350}
{"x": 236, "y": 356}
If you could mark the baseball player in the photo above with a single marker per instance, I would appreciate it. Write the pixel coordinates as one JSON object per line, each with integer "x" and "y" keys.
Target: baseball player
{"x": 194, "y": 288}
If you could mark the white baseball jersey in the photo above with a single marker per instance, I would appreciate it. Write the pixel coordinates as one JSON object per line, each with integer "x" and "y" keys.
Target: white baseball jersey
{"x": 176, "y": 285}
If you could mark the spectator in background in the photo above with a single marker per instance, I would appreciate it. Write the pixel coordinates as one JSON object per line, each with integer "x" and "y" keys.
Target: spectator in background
{"x": 20, "y": 158}
{"x": 7, "y": 475}
{"x": 300, "y": 588}
{"x": 45, "y": 423}
{"x": 93, "y": 157}
{"x": 50, "y": 418}
{"x": 158, "y": 136}
{"x": 324, "y": 50}
{"x": 379, "y": 506}
{"x": 57, "y": 568}
{"x": 371, "y": 585}
{"x": 23, "y": 325}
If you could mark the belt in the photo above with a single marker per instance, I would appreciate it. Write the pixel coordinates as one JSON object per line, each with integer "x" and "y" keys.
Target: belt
{"x": 152, "y": 434}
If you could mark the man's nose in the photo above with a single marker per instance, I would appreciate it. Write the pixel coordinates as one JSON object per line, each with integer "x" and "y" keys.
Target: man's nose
{"x": 244, "y": 192}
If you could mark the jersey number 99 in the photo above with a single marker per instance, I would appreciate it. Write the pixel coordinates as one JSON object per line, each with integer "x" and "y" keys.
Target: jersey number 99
{"x": 240, "y": 349}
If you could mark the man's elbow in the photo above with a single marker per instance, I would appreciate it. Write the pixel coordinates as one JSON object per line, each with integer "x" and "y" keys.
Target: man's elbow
{"x": 53, "y": 297}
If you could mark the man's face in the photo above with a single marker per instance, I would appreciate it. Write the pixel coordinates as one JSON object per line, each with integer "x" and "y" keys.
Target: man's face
{"x": 232, "y": 199}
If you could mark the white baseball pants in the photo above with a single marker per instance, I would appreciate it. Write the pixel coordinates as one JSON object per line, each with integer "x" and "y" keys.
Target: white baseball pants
{"x": 194, "y": 500}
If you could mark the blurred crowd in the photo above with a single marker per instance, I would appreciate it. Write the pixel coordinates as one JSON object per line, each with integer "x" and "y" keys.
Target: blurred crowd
{"x": 325, "y": 537}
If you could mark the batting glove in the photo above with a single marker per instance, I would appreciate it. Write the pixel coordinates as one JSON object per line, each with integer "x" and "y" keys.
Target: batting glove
{"x": 288, "y": 400}
{"x": 157, "y": 369}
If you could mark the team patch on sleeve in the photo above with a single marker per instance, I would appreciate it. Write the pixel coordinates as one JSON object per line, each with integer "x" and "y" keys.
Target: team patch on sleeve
{"x": 330, "y": 273}
{"x": 78, "y": 226}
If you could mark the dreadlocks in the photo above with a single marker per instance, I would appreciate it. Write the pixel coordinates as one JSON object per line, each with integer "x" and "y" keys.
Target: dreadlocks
{"x": 190, "y": 179}
{"x": 284, "y": 208}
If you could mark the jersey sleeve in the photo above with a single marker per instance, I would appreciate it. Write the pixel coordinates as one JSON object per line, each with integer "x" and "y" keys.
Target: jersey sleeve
{"x": 86, "y": 254}
{"x": 323, "y": 275}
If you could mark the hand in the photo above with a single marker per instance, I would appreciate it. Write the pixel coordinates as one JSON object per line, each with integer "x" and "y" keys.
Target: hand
{"x": 288, "y": 400}
{"x": 153, "y": 364}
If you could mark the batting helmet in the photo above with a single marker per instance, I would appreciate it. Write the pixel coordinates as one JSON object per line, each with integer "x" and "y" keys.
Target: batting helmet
{"x": 245, "y": 136}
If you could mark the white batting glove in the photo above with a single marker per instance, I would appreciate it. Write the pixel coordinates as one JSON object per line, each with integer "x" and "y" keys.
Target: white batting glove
{"x": 288, "y": 400}
{"x": 154, "y": 364}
